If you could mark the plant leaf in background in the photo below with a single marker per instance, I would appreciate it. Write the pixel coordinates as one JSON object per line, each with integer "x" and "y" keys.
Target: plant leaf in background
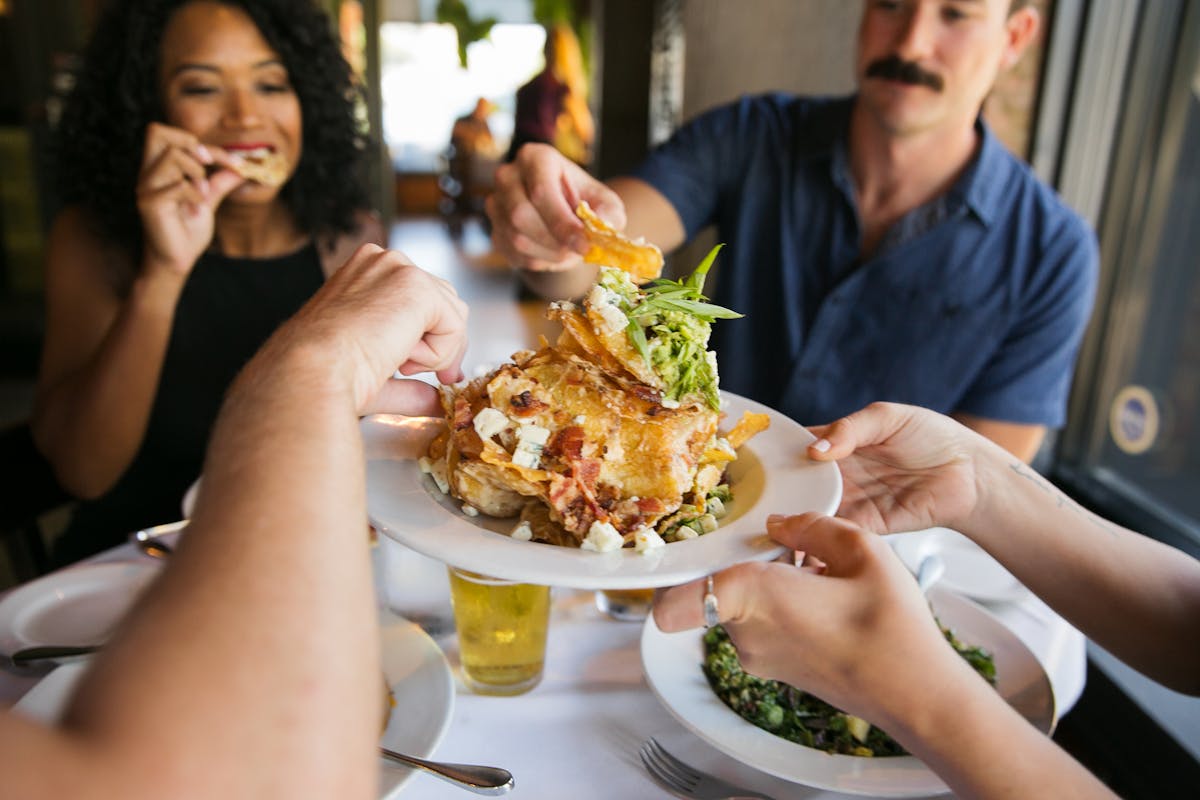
{"x": 469, "y": 30}
{"x": 549, "y": 13}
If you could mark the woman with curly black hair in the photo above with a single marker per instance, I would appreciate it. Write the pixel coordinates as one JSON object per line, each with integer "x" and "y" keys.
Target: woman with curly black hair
{"x": 178, "y": 251}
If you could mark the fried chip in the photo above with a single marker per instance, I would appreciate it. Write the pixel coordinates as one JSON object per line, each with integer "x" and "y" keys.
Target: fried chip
{"x": 749, "y": 425}
{"x": 608, "y": 247}
{"x": 269, "y": 170}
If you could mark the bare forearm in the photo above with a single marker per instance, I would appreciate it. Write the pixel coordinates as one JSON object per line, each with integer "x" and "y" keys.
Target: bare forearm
{"x": 982, "y": 748}
{"x": 1136, "y": 597}
{"x": 91, "y": 422}
{"x": 650, "y": 215}
{"x": 264, "y": 588}
{"x": 565, "y": 285}
{"x": 1021, "y": 440}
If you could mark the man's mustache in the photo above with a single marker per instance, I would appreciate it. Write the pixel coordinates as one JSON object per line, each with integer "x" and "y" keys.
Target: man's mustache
{"x": 897, "y": 69}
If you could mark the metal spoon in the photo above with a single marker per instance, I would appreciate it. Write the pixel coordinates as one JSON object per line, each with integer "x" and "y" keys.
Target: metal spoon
{"x": 930, "y": 571}
{"x": 472, "y": 777}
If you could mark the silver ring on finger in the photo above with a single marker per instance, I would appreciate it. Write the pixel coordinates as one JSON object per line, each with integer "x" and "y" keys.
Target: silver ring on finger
{"x": 711, "y": 611}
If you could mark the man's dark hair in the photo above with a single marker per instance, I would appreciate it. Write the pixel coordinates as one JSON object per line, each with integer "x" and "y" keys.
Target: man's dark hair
{"x": 1016, "y": 5}
{"x": 97, "y": 147}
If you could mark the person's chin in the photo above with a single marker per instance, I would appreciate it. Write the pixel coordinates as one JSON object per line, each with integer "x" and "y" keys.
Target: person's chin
{"x": 902, "y": 107}
{"x": 253, "y": 193}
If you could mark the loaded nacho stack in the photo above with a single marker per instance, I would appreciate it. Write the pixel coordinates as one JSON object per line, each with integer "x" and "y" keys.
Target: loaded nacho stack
{"x": 609, "y": 437}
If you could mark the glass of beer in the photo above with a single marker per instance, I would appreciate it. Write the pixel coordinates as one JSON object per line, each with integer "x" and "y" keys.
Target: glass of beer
{"x": 501, "y": 632}
{"x": 626, "y": 605}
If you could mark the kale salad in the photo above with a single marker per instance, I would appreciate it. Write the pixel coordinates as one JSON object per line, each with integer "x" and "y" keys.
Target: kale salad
{"x": 800, "y": 717}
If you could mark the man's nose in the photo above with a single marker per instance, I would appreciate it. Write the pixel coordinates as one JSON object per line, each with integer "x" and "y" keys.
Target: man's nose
{"x": 915, "y": 36}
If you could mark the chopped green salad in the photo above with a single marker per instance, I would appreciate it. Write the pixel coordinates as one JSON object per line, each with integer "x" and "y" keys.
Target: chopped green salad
{"x": 669, "y": 325}
{"x": 800, "y": 717}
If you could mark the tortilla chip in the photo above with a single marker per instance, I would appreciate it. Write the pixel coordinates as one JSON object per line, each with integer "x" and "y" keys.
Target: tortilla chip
{"x": 269, "y": 170}
{"x": 609, "y": 247}
{"x": 749, "y": 425}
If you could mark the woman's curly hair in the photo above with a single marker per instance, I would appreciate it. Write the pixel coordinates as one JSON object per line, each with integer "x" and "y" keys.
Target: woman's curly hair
{"x": 97, "y": 148}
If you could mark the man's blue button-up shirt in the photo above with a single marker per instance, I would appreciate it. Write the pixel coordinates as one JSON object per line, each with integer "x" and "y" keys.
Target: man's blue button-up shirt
{"x": 975, "y": 302}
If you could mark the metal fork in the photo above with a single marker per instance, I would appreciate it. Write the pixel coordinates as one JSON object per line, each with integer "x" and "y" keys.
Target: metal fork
{"x": 686, "y": 781}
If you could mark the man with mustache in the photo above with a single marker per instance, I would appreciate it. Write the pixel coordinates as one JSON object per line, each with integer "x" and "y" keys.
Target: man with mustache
{"x": 883, "y": 246}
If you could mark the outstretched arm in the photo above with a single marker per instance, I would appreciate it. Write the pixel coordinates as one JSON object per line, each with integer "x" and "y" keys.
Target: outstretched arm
{"x": 1021, "y": 440}
{"x": 907, "y": 468}
{"x": 251, "y": 667}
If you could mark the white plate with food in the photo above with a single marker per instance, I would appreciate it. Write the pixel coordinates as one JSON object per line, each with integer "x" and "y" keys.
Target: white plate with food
{"x": 77, "y": 605}
{"x": 414, "y": 666}
{"x": 772, "y": 474}
{"x": 672, "y": 664}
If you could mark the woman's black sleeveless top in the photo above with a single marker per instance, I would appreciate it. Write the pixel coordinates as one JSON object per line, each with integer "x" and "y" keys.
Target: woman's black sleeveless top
{"x": 228, "y": 308}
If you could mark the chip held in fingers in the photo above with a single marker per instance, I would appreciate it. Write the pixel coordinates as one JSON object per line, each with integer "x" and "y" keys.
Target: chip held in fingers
{"x": 608, "y": 247}
{"x": 263, "y": 165}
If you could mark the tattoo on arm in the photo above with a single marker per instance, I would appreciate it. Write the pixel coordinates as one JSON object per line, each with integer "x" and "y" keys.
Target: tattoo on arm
{"x": 1061, "y": 500}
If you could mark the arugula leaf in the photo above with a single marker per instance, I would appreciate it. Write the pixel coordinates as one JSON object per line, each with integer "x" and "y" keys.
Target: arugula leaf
{"x": 700, "y": 274}
{"x": 638, "y": 337}
{"x": 707, "y": 311}
{"x": 663, "y": 294}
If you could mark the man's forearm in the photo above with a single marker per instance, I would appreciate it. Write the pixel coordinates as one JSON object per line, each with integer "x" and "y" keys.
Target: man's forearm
{"x": 565, "y": 285}
{"x": 264, "y": 586}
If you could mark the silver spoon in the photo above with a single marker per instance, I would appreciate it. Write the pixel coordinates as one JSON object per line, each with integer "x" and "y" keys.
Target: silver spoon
{"x": 930, "y": 571}
{"x": 472, "y": 777}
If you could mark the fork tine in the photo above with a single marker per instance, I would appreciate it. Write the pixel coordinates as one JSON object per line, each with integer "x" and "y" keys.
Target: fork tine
{"x": 664, "y": 770}
{"x": 685, "y": 780}
{"x": 685, "y": 774}
{"x": 663, "y": 779}
{"x": 682, "y": 767}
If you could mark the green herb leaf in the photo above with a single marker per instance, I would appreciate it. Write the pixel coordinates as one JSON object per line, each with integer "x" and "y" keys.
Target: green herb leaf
{"x": 697, "y": 278}
{"x": 669, "y": 326}
{"x": 709, "y": 311}
{"x": 638, "y": 337}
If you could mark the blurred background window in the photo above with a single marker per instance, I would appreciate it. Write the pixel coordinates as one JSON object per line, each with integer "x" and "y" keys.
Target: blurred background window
{"x": 424, "y": 87}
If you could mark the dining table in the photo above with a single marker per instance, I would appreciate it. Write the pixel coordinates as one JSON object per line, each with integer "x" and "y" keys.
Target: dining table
{"x": 577, "y": 733}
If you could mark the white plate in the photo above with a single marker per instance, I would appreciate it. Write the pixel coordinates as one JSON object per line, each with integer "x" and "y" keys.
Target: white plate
{"x": 970, "y": 570}
{"x": 672, "y": 663}
{"x": 423, "y": 688}
{"x": 77, "y": 605}
{"x": 189, "y": 499}
{"x": 47, "y": 699}
{"x": 416, "y": 671}
{"x": 771, "y": 475}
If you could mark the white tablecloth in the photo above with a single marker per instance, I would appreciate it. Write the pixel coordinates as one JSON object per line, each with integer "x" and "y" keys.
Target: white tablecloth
{"x": 576, "y": 735}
